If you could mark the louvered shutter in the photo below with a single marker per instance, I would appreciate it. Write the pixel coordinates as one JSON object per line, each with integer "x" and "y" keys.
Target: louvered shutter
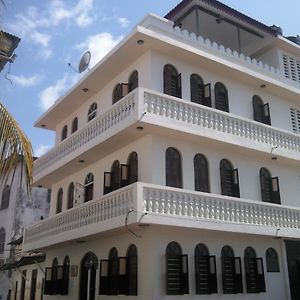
{"x": 178, "y": 86}
{"x": 123, "y": 277}
{"x": 132, "y": 269}
{"x": 251, "y": 274}
{"x": 267, "y": 117}
{"x": 266, "y": 187}
{"x": 221, "y": 98}
{"x": 114, "y": 276}
{"x": 275, "y": 191}
{"x": 107, "y": 183}
{"x": 207, "y": 95}
{"x": 238, "y": 275}
{"x": 261, "y": 285}
{"x": 184, "y": 275}
{"x": 59, "y": 280}
{"x": 92, "y": 283}
{"x": 65, "y": 280}
{"x": 235, "y": 183}
{"x": 48, "y": 286}
{"x": 213, "y": 284}
{"x": 206, "y": 280}
{"x": 104, "y": 278}
{"x": 124, "y": 175}
{"x": 228, "y": 275}
{"x": 258, "y": 109}
{"x": 226, "y": 182}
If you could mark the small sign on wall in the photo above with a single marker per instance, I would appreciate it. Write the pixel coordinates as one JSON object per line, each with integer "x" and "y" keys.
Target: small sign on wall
{"x": 74, "y": 270}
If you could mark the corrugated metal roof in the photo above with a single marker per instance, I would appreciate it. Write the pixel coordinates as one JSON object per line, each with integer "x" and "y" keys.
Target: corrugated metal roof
{"x": 226, "y": 9}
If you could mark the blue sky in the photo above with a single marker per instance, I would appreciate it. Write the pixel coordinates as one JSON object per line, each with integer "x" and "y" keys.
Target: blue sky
{"x": 56, "y": 32}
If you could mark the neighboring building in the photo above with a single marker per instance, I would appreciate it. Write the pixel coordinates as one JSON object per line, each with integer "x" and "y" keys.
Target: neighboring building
{"x": 8, "y": 44}
{"x": 17, "y": 210}
{"x": 176, "y": 165}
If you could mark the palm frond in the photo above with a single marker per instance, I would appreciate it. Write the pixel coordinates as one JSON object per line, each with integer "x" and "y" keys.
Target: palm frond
{"x": 14, "y": 146}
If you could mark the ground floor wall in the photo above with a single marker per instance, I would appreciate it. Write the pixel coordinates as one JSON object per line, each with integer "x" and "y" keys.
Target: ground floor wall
{"x": 151, "y": 244}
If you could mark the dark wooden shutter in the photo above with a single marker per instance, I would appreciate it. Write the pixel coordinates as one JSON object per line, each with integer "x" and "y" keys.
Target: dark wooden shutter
{"x": 275, "y": 190}
{"x": 177, "y": 274}
{"x": 113, "y": 272}
{"x": 173, "y": 168}
{"x": 107, "y": 183}
{"x": 132, "y": 271}
{"x": 123, "y": 277}
{"x": 65, "y": 280}
{"x": 59, "y": 280}
{"x": 226, "y": 178}
{"x": 265, "y": 185}
{"x": 207, "y": 95}
{"x": 48, "y": 287}
{"x": 92, "y": 282}
{"x": 206, "y": 280}
{"x": 172, "y": 81}
{"x": 238, "y": 275}
{"x": 221, "y": 97}
{"x": 88, "y": 192}
{"x": 261, "y": 285}
{"x": 266, "y": 111}
{"x": 201, "y": 173}
{"x": 251, "y": 274}
{"x": 178, "y": 88}
{"x": 235, "y": 183}
{"x": 228, "y": 275}
{"x": 33, "y": 284}
{"x": 104, "y": 278}
{"x": 213, "y": 284}
{"x": 258, "y": 109}
{"x": 133, "y": 167}
{"x": 124, "y": 175}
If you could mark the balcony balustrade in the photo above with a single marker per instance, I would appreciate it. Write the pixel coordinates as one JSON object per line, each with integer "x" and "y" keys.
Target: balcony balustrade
{"x": 185, "y": 115}
{"x": 154, "y": 204}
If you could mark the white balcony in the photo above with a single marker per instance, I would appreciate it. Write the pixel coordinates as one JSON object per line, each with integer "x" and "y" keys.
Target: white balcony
{"x": 151, "y": 109}
{"x": 154, "y": 204}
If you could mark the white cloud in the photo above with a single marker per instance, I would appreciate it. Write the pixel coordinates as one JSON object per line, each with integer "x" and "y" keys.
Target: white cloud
{"x": 41, "y": 149}
{"x": 51, "y": 93}
{"x": 124, "y": 22}
{"x": 25, "y": 81}
{"x": 99, "y": 45}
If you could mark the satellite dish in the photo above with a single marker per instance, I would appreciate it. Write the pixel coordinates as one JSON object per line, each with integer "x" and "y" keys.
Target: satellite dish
{"x": 84, "y": 61}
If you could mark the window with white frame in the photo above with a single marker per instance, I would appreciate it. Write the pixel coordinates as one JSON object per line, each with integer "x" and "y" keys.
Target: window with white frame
{"x": 295, "y": 118}
{"x": 291, "y": 67}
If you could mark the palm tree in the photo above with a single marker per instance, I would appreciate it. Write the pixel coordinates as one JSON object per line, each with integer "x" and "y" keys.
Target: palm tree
{"x": 14, "y": 147}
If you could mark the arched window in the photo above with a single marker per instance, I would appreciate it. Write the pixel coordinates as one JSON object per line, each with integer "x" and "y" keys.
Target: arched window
{"x": 221, "y": 97}
{"x": 133, "y": 167}
{"x": 261, "y": 111}
{"x": 74, "y": 124}
{"x": 269, "y": 187}
{"x": 64, "y": 132}
{"x": 255, "y": 280}
{"x": 201, "y": 173}
{"x": 92, "y": 113}
{"x": 71, "y": 191}
{"x": 59, "y": 201}
{"x": 177, "y": 270}
{"x": 89, "y": 187}
{"x": 115, "y": 176}
{"x": 54, "y": 276}
{"x": 132, "y": 270}
{"x": 231, "y": 272}
{"x": 229, "y": 179}
{"x": 272, "y": 260}
{"x": 205, "y": 268}
{"x": 172, "y": 81}
{"x": 88, "y": 267}
{"x": 173, "y": 168}
{"x": 200, "y": 93}
{"x": 5, "y": 197}
{"x": 65, "y": 276}
{"x": 113, "y": 270}
{"x": 133, "y": 81}
{"x": 2, "y": 240}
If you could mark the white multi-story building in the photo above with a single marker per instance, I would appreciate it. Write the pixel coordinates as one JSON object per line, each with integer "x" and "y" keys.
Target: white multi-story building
{"x": 175, "y": 172}
{"x": 17, "y": 210}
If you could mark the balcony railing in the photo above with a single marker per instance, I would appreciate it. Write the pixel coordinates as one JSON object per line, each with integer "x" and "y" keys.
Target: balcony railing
{"x": 160, "y": 109}
{"x": 167, "y": 206}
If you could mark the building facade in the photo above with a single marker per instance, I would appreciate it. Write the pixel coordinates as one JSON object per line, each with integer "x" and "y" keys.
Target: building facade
{"x": 175, "y": 169}
{"x": 17, "y": 210}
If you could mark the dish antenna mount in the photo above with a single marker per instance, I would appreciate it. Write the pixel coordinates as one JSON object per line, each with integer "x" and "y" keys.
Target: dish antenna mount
{"x": 83, "y": 63}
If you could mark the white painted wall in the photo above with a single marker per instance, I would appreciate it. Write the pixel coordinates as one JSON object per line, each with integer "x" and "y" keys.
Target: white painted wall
{"x": 151, "y": 260}
{"x": 103, "y": 98}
